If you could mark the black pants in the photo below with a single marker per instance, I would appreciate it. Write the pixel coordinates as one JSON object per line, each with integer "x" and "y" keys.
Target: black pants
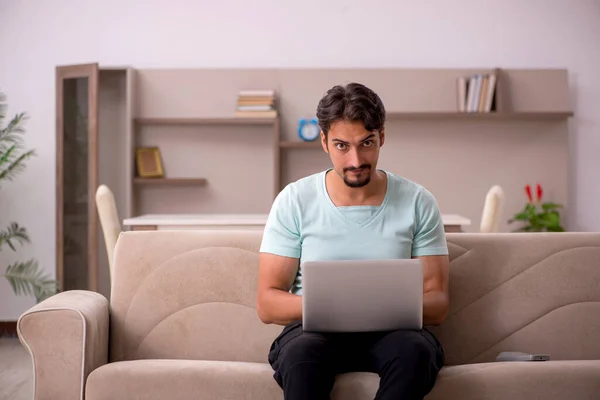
{"x": 306, "y": 363}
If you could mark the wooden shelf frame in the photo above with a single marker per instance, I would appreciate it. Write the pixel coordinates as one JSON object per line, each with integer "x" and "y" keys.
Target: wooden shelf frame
{"x": 206, "y": 121}
{"x": 170, "y": 181}
{"x": 299, "y": 144}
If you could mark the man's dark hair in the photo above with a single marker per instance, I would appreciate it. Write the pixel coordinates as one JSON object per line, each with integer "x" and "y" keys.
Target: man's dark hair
{"x": 352, "y": 102}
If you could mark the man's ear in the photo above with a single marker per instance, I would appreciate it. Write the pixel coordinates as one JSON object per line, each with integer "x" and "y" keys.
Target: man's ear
{"x": 381, "y": 137}
{"x": 324, "y": 142}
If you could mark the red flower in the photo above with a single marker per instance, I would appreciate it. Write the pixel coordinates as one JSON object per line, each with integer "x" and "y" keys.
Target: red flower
{"x": 528, "y": 191}
{"x": 539, "y": 192}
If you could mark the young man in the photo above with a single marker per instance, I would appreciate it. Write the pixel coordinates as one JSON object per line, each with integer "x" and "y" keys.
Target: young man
{"x": 351, "y": 211}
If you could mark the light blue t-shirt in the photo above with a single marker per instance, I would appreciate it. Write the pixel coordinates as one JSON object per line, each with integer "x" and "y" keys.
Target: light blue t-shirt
{"x": 304, "y": 223}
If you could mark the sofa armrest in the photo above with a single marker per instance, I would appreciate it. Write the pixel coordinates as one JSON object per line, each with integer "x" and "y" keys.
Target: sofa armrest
{"x": 67, "y": 338}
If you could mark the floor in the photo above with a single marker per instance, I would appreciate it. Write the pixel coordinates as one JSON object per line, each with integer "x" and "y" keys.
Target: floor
{"x": 16, "y": 373}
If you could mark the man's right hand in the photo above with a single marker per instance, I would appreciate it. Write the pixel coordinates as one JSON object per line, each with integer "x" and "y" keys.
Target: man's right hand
{"x": 274, "y": 303}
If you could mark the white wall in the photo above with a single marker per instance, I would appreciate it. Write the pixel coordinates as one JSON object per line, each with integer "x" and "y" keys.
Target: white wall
{"x": 35, "y": 36}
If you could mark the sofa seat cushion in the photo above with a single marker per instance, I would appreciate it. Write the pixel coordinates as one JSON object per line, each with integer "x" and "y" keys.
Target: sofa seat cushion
{"x": 548, "y": 380}
{"x": 182, "y": 380}
{"x": 190, "y": 379}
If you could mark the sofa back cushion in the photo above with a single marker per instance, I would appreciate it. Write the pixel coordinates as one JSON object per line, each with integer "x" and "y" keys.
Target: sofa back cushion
{"x": 187, "y": 295}
{"x": 191, "y": 295}
{"x": 529, "y": 292}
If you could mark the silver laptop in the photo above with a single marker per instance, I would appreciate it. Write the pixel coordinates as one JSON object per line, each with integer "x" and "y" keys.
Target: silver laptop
{"x": 362, "y": 295}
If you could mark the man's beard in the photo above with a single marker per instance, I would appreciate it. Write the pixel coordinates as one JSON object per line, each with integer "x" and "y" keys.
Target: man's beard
{"x": 358, "y": 182}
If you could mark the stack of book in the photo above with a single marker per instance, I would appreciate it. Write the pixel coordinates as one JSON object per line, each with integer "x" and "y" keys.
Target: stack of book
{"x": 477, "y": 93}
{"x": 256, "y": 103}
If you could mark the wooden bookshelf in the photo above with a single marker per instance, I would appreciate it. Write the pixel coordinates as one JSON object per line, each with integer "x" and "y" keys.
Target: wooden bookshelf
{"x": 170, "y": 181}
{"x": 527, "y": 101}
{"x": 206, "y": 121}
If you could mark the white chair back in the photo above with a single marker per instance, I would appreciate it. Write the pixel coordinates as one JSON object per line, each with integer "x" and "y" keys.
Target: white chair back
{"x": 492, "y": 210}
{"x": 109, "y": 220}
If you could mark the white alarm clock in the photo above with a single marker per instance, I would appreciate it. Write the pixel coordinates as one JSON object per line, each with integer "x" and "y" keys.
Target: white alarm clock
{"x": 308, "y": 129}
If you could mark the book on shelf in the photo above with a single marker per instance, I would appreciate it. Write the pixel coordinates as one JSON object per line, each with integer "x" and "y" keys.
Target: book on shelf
{"x": 256, "y": 103}
{"x": 477, "y": 92}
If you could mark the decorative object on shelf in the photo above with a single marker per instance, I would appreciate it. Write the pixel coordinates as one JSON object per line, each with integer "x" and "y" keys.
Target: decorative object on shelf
{"x": 256, "y": 103}
{"x": 149, "y": 163}
{"x": 24, "y": 277}
{"x": 478, "y": 92}
{"x": 538, "y": 216}
{"x": 308, "y": 129}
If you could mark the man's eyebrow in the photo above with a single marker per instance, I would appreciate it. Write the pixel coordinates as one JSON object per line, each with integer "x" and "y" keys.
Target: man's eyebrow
{"x": 339, "y": 141}
{"x": 371, "y": 136}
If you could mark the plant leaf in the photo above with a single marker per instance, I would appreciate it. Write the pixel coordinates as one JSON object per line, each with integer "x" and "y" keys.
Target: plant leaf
{"x": 15, "y": 166}
{"x": 550, "y": 219}
{"x": 522, "y": 216}
{"x": 12, "y": 159}
{"x": 550, "y": 206}
{"x": 6, "y": 155}
{"x": 26, "y": 278}
{"x": 11, "y": 133}
{"x": 13, "y": 232}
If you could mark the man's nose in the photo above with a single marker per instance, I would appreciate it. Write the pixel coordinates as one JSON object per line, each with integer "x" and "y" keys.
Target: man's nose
{"x": 354, "y": 158}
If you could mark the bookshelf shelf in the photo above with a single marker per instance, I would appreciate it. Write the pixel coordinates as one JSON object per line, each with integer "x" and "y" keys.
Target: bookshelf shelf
{"x": 297, "y": 144}
{"x": 206, "y": 121}
{"x": 481, "y": 115}
{"x": 452, "y": 115}
{"x": 170, "y": 181}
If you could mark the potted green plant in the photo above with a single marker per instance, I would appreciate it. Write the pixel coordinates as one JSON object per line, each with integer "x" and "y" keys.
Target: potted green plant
{"x": 538, "y": 216}
{"x": 25, "y": 277}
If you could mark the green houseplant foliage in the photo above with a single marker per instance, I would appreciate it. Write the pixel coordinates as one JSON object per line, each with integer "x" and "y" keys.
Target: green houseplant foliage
{"x": 538, "y": 216}
{"x": 25, "y": 277}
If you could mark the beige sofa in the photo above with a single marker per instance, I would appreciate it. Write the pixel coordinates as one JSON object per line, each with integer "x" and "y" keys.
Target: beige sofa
{"x": 183, "y": 324}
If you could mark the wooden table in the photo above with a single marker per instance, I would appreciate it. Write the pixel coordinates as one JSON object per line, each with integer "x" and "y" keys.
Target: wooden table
{"x": 452, "y": 222}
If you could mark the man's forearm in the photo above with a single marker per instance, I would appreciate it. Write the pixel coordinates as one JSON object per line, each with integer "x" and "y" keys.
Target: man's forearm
{"x": 435, "y": 307}
{"x": 279, "y": 307}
